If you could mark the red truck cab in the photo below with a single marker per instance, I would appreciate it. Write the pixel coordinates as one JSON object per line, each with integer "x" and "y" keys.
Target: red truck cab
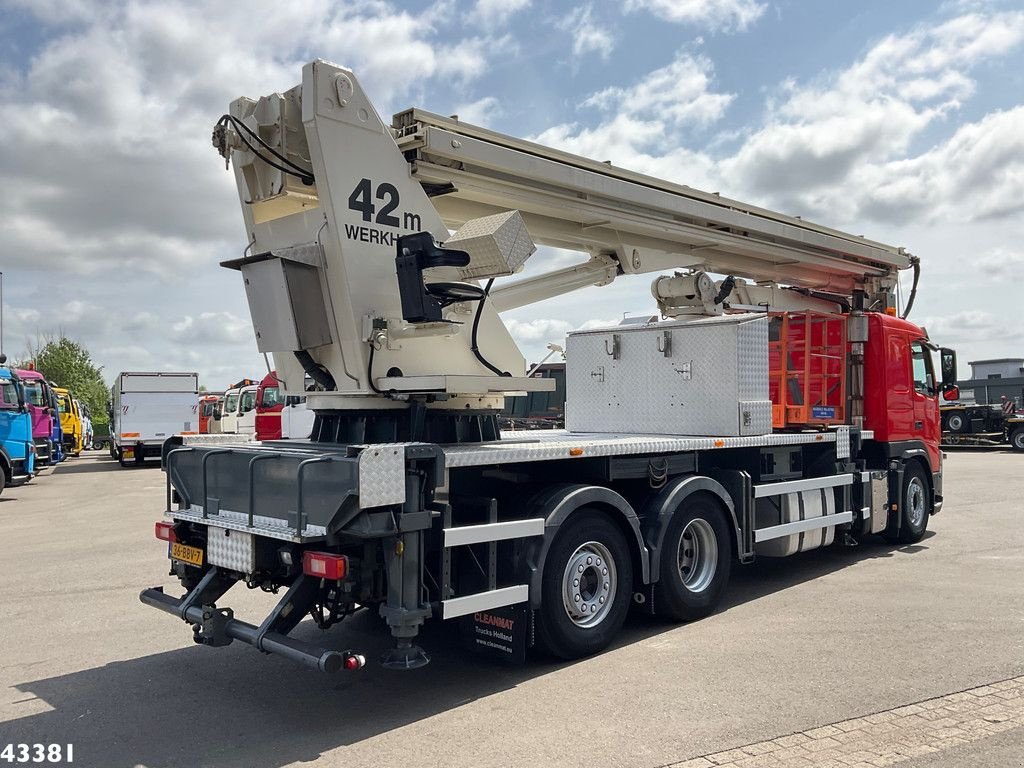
{"x": 206, "y": 408}
{"x": 901, "y": 389}
{"x": 269, "y": 404}
{"x": 901, "y": 398}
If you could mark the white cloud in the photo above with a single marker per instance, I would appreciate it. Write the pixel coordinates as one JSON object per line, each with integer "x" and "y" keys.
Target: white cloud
{"x": 679, "y": 93}
{"x": 723, "y": 15}
{"x": 673, "y": 101}
{"x": 1000, "y": 264}
{"x": 969, "y": 326}
{"x": 587, "y": 35}
{"x": 480, "y": 112}
{"x": 213, "y": 328}
{"x": 839, "y": 146}
{"x": 491, "y": 14}
{"x": 542, "y": 330}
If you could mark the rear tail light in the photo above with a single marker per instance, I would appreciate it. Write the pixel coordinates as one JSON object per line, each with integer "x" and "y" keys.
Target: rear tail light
{"x": 354, "y": 661}
{"x": 324, "y": 565}
{"x": 165, "y": 531}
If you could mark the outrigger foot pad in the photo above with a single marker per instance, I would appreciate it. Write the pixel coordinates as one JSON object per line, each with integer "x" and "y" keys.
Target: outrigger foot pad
{"x": 404, "y": 656}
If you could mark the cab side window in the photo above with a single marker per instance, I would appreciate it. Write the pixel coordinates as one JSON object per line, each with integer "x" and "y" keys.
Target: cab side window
{"x": 924, "y": 375}
{"x": 8, "y": 394}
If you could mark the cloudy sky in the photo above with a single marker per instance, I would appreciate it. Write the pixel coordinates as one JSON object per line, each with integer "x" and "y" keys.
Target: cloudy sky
{"x": 902, "y": 121}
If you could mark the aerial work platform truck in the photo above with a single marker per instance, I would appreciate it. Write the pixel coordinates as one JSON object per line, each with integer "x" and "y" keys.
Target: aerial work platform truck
{"x": 777, "y": 403}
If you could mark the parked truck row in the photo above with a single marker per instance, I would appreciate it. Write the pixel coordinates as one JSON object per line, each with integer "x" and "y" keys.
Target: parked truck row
{"x": 41, "y": 424}
{"x": 261, "y": 411}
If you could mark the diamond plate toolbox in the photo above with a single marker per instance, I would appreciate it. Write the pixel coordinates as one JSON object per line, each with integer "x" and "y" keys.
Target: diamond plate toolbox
{"x": 706, "y": 376}
{"x": 231, "y": 549}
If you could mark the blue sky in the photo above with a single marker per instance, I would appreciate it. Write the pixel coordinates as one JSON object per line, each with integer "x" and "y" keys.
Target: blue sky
{"x": 903, "y": 121}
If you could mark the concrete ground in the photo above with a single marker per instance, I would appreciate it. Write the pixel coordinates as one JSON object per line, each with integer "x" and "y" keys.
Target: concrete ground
{"x": 859, "y": 642}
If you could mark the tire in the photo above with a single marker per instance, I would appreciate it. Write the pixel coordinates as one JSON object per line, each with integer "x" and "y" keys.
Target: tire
{"x": 587, "y": 548}
{"x": 915, "y": 505}
{"x": 113, "y": 452}
{"x": 1017, "y": 439}
{"x": 956, "y": 422}
{"x": 3, "y": 479}
{"x": 696, "y": 559}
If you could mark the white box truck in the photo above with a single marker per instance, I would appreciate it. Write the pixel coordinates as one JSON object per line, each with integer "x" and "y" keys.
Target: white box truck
{"x": 147, "y": 408}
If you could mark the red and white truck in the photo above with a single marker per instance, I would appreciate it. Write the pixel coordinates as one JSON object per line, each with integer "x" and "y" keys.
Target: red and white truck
{"x": 781, "y": 407}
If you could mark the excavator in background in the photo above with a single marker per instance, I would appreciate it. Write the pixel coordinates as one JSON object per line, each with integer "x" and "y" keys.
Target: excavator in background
{"x": 779, "y": 407}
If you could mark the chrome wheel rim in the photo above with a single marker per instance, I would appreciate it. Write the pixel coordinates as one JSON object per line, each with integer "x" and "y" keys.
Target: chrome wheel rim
{"x": 697, "y": 555}
{"x": 589, "y": 584}
{"x": 915, "y": 502}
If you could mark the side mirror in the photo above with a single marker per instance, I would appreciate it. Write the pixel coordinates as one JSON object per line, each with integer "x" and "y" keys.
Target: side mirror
{"x": 217, "y": 413}
{"x": 952, "y": 393}
{"x": 948, "y": 364}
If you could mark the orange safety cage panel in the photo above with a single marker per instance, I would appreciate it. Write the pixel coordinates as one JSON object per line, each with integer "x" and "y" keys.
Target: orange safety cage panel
{"x": 807, "y": 368}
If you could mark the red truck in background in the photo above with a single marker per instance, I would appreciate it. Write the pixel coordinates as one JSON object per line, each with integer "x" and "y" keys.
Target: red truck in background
{"x": 209, "y": 419}
{"x": 269, "y": 404}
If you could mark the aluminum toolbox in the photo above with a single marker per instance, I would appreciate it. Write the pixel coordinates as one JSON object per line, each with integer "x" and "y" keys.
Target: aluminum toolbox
{"x": 706, "y": 376}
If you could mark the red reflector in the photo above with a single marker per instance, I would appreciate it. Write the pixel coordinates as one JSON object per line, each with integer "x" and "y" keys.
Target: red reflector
{"x": 354, "y": 661}
{"x": 324, "y": 565}
{"x": 165, "y": 531}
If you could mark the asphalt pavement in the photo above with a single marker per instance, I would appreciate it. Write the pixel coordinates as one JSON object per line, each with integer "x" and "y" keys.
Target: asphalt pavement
{"x": 866, "y": 639}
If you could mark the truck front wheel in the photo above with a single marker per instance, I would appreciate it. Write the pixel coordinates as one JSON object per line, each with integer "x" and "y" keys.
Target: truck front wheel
{"x": 695, "y": 562}
{"x": 586, "y": 586}
{"x": 915, "y": 505}
{"x": 1017, "y": 439}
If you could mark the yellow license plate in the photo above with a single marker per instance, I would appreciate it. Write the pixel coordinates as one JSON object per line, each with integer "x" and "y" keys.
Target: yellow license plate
{"x": 187, "y": 554}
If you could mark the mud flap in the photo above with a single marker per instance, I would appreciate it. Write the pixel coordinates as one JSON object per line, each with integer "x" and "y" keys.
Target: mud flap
{"x": 503, "y": 634}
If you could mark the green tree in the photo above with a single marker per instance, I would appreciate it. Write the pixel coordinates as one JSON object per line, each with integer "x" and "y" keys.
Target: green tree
{"x": 68, "y": 364}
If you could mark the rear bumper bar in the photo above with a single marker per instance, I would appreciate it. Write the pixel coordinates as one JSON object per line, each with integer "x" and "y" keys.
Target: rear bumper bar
{"x": 217, "y": 626}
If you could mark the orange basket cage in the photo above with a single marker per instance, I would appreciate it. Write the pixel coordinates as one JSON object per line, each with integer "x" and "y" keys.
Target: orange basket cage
{"x": 807, "y": 369}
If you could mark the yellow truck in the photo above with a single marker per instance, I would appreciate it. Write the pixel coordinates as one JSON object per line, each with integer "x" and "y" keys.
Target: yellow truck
{"x": 70, "y": 421}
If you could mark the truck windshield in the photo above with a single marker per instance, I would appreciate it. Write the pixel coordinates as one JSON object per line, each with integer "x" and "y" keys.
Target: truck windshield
{"x": 208, "y": 408}
{"x": 248, "y": 400}
{"x": 8, "y": 394}
{"x": 231, "y": 403}
{"x": 64, "y": 404}
{"x": 270, "y": 397}
{"x": 34, "y": 394}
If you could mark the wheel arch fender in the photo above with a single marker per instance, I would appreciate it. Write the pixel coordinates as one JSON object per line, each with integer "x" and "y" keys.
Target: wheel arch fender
{"x": 919, "y": 457}
{"x": 559, "y": 504}
{"x": 6, "y": 464}
{"x": 659, "y": 509}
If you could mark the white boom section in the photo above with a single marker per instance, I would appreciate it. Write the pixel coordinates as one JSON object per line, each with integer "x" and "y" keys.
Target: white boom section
{"x": 628, "y": 222}
{"x": 320, "y": 270}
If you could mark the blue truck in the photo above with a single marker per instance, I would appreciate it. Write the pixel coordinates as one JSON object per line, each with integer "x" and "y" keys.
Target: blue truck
{"x": 17, "y": 450}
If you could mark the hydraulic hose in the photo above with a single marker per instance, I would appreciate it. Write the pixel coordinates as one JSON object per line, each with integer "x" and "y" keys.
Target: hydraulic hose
{"x": 316, "y": 372}
{"x": 475, "y": 348}
{"x": 915, "y": 262}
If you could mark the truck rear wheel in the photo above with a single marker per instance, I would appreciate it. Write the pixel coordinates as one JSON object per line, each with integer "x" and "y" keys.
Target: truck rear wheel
{"x": 586, "y": 586}
{"x": 695, "y": 562}
{"x": 956, "y": 422}
{"x": 1017, "y": 439}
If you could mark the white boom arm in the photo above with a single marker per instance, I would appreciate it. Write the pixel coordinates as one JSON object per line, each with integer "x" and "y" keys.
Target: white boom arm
{"x": 327, "y": 191}
{"x": 629, "y": 222}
